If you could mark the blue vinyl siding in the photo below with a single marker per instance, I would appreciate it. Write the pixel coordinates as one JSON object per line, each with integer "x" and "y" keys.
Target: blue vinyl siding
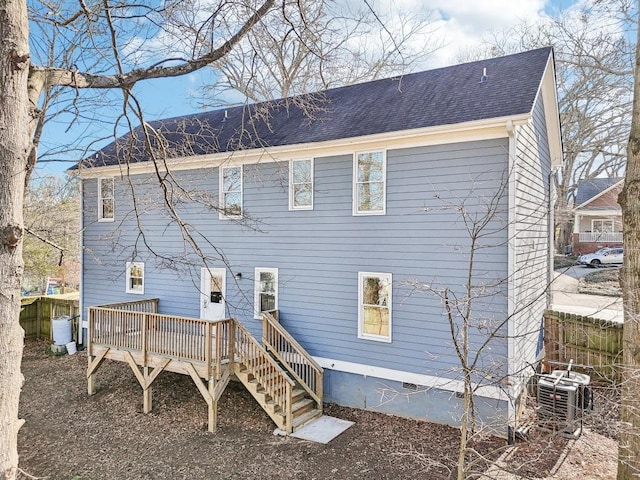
{"x": 532, "y": 242}
{"x": 319, "y": 252}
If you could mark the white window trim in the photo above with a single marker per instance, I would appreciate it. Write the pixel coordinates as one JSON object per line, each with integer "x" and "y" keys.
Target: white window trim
{"x": 368, "y": 336}
{"x": 356, "y": 212}
{"x": 100, "y": 199}
{"x": 128, "y": 278}
{"x": 221, "y": 214}
{"x": 256, "y": 290}
{"x": 291, "y": 189}
{"x": 613, "y": 224}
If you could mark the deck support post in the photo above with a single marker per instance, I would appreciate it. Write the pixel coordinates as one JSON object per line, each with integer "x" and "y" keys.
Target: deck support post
{"x": 146, "y": 379}
{"x": 91, "y": 380}
{"x": 147, "y": 391}
{"x": 213, "y": 407}
{"x": 94, "y": 363}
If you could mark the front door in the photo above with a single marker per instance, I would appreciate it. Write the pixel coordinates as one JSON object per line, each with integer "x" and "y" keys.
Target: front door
{"x": 213, "y": 293}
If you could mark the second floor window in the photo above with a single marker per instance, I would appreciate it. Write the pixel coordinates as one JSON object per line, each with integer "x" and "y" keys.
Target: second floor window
{"x": 301, "y": 185}
{"x": 231, "y": 192}
{"x": 370, "y": 176}
{"x": 106, "y": 200}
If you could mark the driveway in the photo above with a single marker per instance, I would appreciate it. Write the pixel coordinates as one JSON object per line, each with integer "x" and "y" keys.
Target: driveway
{"x": 565, "y": 298}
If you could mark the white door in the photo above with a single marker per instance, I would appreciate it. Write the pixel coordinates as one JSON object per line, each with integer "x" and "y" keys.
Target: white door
{"x": 213, "y": 293}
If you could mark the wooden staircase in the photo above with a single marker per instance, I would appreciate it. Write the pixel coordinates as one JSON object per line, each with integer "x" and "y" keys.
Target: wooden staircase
{"x": 276, "y": 375}
{"x": 302, "y": 405}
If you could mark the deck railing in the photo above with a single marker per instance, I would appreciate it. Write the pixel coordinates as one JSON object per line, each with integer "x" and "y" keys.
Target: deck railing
{"x": 149, "y": 305}
{"x": 292, "y": 356}
{"x": 194, "y": 340}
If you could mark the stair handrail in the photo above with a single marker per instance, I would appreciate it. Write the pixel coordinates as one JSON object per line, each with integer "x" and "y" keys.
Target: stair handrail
{"x": 270, "y": 324}
{"x": 255, "y": 365}
{"x": 148, "y": 305}
{"x": 261, "y": 349}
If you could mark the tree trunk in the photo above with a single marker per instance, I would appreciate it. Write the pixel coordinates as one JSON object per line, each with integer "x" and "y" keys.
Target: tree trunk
{"x": 563, "y": 227}
{"x": 629, "y": 451}
{"x": 14, "y": 149}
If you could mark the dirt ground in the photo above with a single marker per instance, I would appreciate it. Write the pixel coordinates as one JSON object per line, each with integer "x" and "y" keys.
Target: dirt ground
{"x": 70, "y": 435}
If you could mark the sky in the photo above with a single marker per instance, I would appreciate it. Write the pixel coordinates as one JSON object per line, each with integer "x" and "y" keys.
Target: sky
{"x": 457, "y": 25}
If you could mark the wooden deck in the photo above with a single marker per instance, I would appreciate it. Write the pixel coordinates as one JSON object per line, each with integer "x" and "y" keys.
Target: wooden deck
{"x": 283, "y": 378}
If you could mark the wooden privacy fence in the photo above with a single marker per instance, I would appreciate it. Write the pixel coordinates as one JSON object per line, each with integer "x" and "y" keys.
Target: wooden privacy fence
{"x": 37, "y": 312}
{"x": 585, "y": 340}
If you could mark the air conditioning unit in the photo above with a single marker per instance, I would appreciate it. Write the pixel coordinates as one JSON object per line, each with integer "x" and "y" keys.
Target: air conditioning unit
{"x": 563, "y": 397}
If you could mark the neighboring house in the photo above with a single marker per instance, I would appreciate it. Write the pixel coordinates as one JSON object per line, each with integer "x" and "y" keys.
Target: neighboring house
{"x": 351, "y": 224}
{"x": 597, "y": 215}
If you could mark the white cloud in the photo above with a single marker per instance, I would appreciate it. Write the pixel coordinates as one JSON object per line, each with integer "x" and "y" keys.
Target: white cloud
{"x": 476, "y": 18}
{"x": 462, "y": 24}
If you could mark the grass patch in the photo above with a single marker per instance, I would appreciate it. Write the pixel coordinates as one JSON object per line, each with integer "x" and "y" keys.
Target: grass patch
{"x": 602, "y": 275}
{"x": 563, "y": 261}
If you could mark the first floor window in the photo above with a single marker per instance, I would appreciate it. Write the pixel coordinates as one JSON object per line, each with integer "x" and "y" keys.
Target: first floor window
{"x": 106, "y": 200}
{"x": 301, "y": 185}
{"x": 602, "y": 226}
{"x": 266, "y": 290}
{"x": 370, "y": 176}
{"x": 374, "y": 306}
{"x": 231, "y": 192}
{"x": 135, "y": 277}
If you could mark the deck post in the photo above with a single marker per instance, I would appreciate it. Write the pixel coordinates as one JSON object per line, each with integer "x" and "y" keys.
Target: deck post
{"x": 207, "y": 348}
{"x": 145, "y": 327}
{"x": 212, "y": 407}
{"x": 319, "y": 389}
{"x": 218, "y": 349}
{"x": 91, "y": 382}
{"x": 289, "y": 410}
{"x": 231, "y": 326}
{"x": 146, "y": 391}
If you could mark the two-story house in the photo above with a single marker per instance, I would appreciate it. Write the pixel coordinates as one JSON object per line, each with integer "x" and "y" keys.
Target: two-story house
{"x": 375, "y": 219}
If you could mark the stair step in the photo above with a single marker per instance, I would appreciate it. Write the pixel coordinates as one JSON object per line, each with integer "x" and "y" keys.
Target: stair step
{"x": 297, "y": 394}
{"x": 255, "y": 368}
{"x": 302, "y": 406}
{"x": 273, "y": 406}
{"x": 306, "y": 418}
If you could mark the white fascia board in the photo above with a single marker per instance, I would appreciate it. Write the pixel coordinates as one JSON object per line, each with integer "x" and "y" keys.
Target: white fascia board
{"x": 442, "y": 134}
{"x": 549, "y": 94}
{"x": 606, "y": 190}
{"x": 428, "y": 381}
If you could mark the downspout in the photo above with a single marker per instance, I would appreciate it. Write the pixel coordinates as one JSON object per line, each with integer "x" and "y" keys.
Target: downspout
{"x": 511, "y": 269}
{"x": 83, "y": 323}
{"x": 553, "y": 198}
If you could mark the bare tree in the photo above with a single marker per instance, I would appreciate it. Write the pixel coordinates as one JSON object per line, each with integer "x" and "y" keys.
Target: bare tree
{"x": 594, "y": 77}
{"x": 309, "y": 46}
{"x": 51, "y": 216}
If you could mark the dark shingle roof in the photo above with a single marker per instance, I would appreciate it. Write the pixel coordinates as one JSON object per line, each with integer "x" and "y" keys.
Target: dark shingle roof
{"x": 443, "y": 96}
{"x": 587, "y": 189}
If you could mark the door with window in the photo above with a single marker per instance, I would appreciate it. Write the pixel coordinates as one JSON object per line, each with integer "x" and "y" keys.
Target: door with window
{"x": 213, "y": 293}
